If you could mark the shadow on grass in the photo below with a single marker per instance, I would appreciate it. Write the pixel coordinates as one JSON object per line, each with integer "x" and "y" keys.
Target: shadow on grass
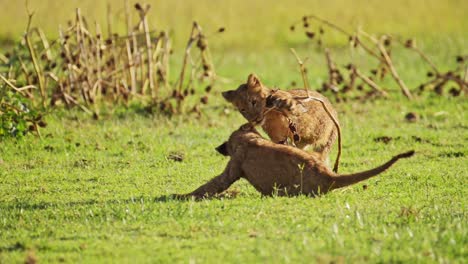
{"x": 24, "y": 205}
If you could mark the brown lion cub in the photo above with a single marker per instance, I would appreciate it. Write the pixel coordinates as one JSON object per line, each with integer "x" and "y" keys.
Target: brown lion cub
{"x": 283, "y": 117}
{"x": 278, "y": 169}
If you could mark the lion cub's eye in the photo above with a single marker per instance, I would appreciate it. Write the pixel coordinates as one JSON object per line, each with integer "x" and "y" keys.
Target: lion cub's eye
{"x": 242, "y": 110}
{"x": 254, "y": 102}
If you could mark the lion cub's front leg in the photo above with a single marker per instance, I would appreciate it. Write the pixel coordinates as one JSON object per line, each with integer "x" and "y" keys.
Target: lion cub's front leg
{"x": 218, "y": 184}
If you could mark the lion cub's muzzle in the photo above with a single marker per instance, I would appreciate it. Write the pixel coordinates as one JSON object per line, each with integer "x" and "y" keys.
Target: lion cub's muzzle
{"x": 222, "y": 149}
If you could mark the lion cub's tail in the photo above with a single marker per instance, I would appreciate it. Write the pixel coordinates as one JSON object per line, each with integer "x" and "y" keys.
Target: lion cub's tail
{"x": 345, "y": 180}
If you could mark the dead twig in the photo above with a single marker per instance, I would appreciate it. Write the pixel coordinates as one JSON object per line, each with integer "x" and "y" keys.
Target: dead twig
{"x": 337, "y": 125}
{"x": 302, "y": 69}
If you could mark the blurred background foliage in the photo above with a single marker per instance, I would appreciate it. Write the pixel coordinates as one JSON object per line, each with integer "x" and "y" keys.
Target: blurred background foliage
{"x": 254, "y": 24}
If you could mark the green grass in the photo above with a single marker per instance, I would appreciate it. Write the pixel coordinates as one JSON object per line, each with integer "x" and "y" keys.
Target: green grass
{"x": 88, "y": 192}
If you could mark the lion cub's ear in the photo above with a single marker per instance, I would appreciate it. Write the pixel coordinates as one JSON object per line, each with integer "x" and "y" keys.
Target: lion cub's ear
{"x": 253, "y": 81}
{"x": 222, "y": 149}
{"x": 229, "y": 95}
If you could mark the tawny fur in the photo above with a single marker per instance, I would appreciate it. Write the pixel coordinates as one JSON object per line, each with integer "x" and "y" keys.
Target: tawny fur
{"x": 314, "y": 126}
{"x": 278, "y": 169}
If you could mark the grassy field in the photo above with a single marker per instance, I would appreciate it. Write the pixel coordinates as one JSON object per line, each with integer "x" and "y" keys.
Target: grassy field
{"x": 89, "y": 191}
{"x": 94, "y": 191}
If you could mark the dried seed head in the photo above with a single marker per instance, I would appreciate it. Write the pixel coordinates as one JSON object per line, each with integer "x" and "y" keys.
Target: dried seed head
{"x": 53, "y": 65}
{"x": 454, "y": 91}
{"x": 44, "y": 57}
{"x": 108, "y": 41}
{"x": 304, "y": 18}
{"x": 42, "y": 123}
{"x": 206, "y": 67}
{"x": 221, "y": 29}
{"x": 204, "y": 100}
{"x": 321, "y": 31}
{"x": 7, "y": 55}
{"x": 409, "y": 43}
{"x": 310, "y": 34}
{"x": 306, "y": 24}
{"x": 387, "y": 42}
{"x": 192, "y": 91}
{"x": 460, "y": 59}
{"x": 208, "y": 88}
{"x": 360, "y": 87}
{"x": 186, "y": 92}
{"x": 430, "y": 74}
{"x": 292, "y": 28}
{"x": 138, "y": 7}
{"x": 201, "y": 44}
{"x": 374, "y": 72}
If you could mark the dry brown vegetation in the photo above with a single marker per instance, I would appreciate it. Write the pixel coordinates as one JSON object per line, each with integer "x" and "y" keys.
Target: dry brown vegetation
{"x": 91, "y": 67}
{"x": 342, "y": 80}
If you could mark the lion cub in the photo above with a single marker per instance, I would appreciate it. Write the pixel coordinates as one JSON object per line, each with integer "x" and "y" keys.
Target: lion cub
{"x": 283, "y": 117}
{"x": 278, "y": 169}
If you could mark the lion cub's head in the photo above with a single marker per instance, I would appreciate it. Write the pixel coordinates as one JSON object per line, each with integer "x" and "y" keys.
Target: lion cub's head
{"x": 238, "y": 138}
{"x": 249, "y": 98}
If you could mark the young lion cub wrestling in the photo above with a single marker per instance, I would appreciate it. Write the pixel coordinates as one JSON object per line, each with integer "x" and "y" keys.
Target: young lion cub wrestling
{"x": 275, "y": 109}
{"x": 278, "y": 169}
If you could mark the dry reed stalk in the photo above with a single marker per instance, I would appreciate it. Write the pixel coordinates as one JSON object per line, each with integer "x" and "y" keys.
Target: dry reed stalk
{"x": 83, "y": 58}
{"x": 34, "y": 60}
{"x": 150, "y": 71}
{"x": 331, "y": 71}
{"x": 131, "y": 69}
{"x": 165, "y": 60}
{"x": 45, "y": 43}
{"x": 186, "y": 55}
{"x": 17, "y": 89}
{"x": 303, "y": 70}
{"x": 26, "y": 74}
{"x": 130, "y": 34}
{"x": 388, "y": 62}
{"x": 369, "y": 82}
{"x": 97, "y": 91}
